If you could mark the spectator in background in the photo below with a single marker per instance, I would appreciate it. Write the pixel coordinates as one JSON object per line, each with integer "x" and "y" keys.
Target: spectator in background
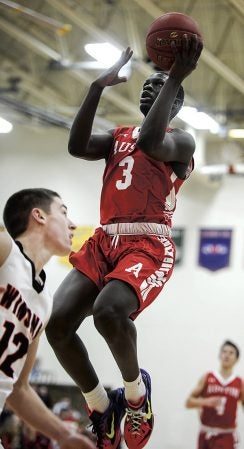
{"x": 10, "y": 430}
{"x": 217, "y": 395}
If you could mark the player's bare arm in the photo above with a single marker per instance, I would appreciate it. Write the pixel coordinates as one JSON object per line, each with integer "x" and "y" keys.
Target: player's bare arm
{"x": 180, "y": 146}
{"x": 153, "y": 138}
{"x": 242, "y": 392}
{"x": 25, "y": 402}
{"x": 195, "y": 400}
{"x": 82, "y": 143}
{"x": 5, "y": 247}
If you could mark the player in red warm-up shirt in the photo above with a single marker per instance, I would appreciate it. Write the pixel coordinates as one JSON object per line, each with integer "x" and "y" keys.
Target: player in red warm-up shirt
{"x": 123, "y": 267}
{"x": 217, "y": 394}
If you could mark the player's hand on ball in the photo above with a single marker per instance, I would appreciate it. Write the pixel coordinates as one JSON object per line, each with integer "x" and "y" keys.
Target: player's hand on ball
{"x": 76, "y": 441}
{"x": 111, "y": 76}
{"x": 186, "y": 57}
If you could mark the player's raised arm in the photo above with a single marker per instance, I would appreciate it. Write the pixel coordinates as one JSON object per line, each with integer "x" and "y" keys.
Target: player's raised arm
{"x": 82, "y": 143}
{"x": 153, "y": 138}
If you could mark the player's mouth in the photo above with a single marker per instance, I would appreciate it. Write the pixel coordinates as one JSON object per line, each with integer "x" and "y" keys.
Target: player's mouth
{"x": 146, "y": 98}
{"x": 146, "y": 101}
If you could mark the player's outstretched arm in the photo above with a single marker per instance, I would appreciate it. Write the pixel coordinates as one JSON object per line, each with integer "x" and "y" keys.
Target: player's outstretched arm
{"x": 81, "y": 143}
{"x": 25, "y": 402}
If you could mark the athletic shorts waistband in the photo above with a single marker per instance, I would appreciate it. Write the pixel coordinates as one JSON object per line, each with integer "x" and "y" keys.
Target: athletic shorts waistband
{"x": 137, "y": 229}
{"x": 214, "y": 431}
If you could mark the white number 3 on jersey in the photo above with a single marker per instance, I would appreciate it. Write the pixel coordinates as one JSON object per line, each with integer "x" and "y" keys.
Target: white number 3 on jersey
{"x": 128, "y": 163}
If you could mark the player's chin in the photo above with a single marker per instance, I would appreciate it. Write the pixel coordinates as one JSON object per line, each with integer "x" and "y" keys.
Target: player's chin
{"x": 145, "y": 107}
{"x": 64, "y": 250}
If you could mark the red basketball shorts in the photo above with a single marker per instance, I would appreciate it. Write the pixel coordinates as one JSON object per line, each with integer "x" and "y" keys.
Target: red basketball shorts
{"x": 220, "y": 441}
{"x": 144, "y": 261}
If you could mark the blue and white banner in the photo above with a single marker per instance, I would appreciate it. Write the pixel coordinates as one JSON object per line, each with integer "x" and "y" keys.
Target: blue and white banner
{"x": 214, "y": 248}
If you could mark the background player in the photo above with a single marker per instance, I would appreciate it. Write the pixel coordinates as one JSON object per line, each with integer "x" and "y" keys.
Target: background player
{"x": 124, "y": 266}
{"x": 36, "y": 220}
{"x": 217, "y": 395}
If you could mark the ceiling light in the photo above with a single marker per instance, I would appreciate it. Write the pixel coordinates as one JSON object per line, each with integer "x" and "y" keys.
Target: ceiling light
{"x": 5, "y": 126}
{"x": 106, "y": 55}
{"x": 217, "y": 169}
{"x": 222, "y": 169}
{"x": 198, "y": 120}
{"x": 236, "y": 133}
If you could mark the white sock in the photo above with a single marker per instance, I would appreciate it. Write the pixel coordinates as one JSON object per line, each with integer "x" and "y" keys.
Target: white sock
{"x": 97, "y": 399}
{"x": 135, "y": 390}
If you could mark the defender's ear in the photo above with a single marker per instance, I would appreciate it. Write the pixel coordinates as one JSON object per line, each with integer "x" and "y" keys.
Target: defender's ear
{"x": 38, "y": 215}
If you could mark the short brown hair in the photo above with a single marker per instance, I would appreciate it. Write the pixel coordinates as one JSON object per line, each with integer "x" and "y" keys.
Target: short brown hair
{"x": 230, "y": 343}
{"x": 18, "y": 207}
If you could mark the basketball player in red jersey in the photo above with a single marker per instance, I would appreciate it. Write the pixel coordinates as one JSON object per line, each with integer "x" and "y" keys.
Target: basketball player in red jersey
{"x": 217, "y": 394}
{"x": 124, "y": 266}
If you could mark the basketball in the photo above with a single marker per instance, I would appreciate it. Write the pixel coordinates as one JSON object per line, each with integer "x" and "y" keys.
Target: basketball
{"x": 165, "y": 29}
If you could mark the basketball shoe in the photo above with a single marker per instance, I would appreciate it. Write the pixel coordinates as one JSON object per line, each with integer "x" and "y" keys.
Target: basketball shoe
{"x": 139, "y": 419}
{"x": 106, "y": 425}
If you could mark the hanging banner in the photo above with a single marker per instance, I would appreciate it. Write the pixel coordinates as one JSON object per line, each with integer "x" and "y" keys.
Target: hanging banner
{"x": 214, "y": 248}
{"x": 178, "y": 238}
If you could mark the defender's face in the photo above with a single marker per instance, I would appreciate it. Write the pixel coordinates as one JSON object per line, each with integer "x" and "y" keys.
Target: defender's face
{"x": 59, "y": 228}
{"x": 228, "y": 356}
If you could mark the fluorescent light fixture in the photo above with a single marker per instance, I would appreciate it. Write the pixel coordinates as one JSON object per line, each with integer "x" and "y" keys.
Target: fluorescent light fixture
{"x": 218, "y": 169}
{"x": 106, "y": 55}
{"x": 5, "y": 126}
{"x": 236, "y": 133}
{"x": 239, "y": 169}
{"x": 198, "y": 120}
{"x": 222, "y": 169}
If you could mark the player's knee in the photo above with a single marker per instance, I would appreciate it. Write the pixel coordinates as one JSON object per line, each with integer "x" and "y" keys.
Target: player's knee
{"x": 52, "y": 334}
{"x": 107, "y": 319}
{"x": 57, "y": 331}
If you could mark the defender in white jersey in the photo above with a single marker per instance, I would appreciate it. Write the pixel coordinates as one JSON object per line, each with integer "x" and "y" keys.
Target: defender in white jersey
{"x": 38, "y": 228}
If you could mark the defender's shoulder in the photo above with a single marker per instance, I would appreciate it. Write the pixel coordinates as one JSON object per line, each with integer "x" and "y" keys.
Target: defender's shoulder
{"x": 5, "y": 246}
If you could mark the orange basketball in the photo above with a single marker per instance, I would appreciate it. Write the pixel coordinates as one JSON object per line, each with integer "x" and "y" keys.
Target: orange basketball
{"x": 165, "y": 29}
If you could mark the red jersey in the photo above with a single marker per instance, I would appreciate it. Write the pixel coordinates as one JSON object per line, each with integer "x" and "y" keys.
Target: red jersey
{"x": 136, "y": 187}
{"x": 230, "y": 392}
